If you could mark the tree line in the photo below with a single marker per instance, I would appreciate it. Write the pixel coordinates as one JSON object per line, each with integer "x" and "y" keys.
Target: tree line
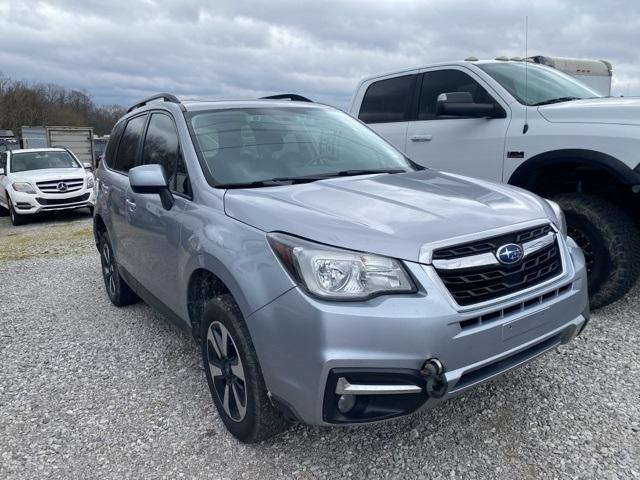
{"x": 34, "y": 104}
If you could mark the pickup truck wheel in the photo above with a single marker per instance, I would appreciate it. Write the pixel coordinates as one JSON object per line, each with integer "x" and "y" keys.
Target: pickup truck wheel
{"x": 234, "y": 375}
{"x": 610, "y": 242}
{"x": 16, "y": 218}
{"x": 118, "y": 291}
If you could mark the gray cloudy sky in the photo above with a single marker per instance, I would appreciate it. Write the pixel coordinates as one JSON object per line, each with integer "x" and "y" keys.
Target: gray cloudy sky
{"x": 122, "y": 50}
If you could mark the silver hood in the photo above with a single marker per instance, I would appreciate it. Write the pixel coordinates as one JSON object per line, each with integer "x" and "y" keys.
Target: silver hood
{"x": 392, "y": 215}
{"x": 623, "y": 111}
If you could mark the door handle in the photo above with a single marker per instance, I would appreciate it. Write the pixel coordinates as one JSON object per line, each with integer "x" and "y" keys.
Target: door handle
{"x": 422, "y": 138}
{"x": 131, "y": 205}
{"x": 104, "y": 188}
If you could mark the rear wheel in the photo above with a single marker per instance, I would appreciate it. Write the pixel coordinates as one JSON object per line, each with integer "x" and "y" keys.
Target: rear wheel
{"x": 118, "y": 291}
{"x": 234, "y": 375}
{"x": 610, "y": 242}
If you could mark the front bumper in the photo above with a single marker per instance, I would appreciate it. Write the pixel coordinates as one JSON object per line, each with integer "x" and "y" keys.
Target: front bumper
{"x": 305, "y": 345}
{"x": 30, "y": 204}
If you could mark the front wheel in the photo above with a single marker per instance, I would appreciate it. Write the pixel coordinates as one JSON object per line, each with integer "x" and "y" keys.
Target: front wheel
{"x": 234, "y": 375}
{"x": 16, "y": 218}
{"x": 610, "y": 242}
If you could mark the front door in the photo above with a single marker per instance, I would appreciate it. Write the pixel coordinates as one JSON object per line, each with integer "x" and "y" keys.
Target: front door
{"x": 155, "y": 231}
{"x": 468, "y": 146}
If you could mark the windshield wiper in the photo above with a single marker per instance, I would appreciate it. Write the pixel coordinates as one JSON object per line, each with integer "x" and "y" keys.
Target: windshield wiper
{"x": 364, "y": 171}
{"x": 273, "y": 182}
{"x": 556, "y": 100}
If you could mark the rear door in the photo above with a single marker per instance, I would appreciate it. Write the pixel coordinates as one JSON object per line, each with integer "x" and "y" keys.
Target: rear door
{"x": 386, "y": 105}
{"x": 464, "y": 145}
{"x": 154, "y": 230}
{"x": 116, "y": 184}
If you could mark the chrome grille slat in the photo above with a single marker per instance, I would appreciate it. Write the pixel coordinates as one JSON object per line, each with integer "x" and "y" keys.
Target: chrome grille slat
{"x": 51, "y": 186}
{"x": 477, "y": 283}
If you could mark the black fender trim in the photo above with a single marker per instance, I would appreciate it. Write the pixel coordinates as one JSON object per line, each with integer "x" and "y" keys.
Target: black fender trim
{"x": 591, "y": 159}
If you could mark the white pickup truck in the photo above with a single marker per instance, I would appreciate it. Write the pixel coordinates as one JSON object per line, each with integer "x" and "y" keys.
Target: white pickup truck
{"x": 533, "y": 127}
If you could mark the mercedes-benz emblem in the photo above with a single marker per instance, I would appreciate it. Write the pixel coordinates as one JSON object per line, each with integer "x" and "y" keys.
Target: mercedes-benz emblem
{"x": 62, "y": 187}
{"x": 509, "y": 254}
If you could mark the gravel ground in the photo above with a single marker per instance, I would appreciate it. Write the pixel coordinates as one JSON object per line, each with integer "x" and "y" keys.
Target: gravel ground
{"x": 88, "y": 390}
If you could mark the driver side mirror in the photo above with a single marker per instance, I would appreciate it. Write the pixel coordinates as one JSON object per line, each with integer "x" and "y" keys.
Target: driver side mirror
{"x": 152, "y": 179}
{"x": 1, "y": 171}
{"x": 87, "y": 166}
{"x": 461, "y": 104}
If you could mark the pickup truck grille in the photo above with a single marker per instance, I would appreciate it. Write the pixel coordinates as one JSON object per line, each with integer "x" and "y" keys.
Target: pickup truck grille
{"x": 70, "y": 185}
{"x": 478, "y": 284}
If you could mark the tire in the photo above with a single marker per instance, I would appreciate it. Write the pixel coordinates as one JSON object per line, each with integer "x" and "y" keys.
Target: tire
{"x": 16, "y": 218}
{"x": 91, "y": 211}
{"x": 610, "y": 242}
{"x": 236, "y": 372}
{"x": 3, "y": 211}
{"x": 118, "y": 291}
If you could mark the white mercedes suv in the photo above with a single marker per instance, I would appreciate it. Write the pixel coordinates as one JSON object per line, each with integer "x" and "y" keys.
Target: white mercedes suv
{"x": 43, "y": 179}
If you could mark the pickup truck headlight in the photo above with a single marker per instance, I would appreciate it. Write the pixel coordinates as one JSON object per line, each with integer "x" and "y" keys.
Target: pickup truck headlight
{"x": 90, "y": 181}
{"x": 23, "y": 187}
{"x": 561, "y": 221}
{"x": 336, "y": 274}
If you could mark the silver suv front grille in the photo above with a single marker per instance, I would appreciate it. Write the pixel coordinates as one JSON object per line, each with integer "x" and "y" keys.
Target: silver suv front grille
{"x": 473, "y": 275}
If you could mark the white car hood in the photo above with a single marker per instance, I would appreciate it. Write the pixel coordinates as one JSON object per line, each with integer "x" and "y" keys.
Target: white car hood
{"x": 616, "y": 110}
{"x": 49, "y": 174}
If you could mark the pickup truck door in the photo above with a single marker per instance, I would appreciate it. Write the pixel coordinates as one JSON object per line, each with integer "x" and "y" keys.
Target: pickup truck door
{"x": 468, "y": 146}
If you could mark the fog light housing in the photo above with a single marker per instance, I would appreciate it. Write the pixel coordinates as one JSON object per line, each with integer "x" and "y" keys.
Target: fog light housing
{"x": 346, "y": 403}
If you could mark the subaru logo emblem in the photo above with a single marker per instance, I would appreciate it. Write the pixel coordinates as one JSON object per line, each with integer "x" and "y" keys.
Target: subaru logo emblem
{"x": 509, "y": 254}
{"x": 62, "y": 187}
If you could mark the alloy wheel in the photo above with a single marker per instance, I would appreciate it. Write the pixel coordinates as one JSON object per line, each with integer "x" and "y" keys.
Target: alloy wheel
{"x": 108, "y": 269}
{"x": 227, "y": 372}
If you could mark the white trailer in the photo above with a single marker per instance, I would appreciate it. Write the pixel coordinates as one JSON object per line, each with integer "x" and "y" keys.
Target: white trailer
{"x": 77, "y": 139}
{"x": 595, "y": 73}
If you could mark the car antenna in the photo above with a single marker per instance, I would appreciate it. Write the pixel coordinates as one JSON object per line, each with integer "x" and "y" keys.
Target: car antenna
{"x": 525, "y": 129}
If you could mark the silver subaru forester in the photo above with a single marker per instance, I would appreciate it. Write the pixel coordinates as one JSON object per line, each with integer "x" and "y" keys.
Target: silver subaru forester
{"x": 327, "y": 278}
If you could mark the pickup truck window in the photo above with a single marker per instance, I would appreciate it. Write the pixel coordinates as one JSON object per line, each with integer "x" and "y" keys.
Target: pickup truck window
{"x": 387, "y": 100}
{"x": 543, "y": 84}
{"x": 447, "y": 81}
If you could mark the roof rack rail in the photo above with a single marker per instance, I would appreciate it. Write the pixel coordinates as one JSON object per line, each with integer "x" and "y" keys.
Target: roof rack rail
{"x": 167, "y": 97}
{"x": 287, "y": 96}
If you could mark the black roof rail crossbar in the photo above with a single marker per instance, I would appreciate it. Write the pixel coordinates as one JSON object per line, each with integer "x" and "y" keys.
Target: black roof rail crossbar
{"x": 167, "y": 97}
{"x": 288, "y": 96}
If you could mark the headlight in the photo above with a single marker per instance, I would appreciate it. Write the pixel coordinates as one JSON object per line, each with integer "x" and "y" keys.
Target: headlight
{"x": 561, "y": 221}
{"x": 90, "y": 181}
{"x": 332, "y": 273}
{"x": 23, "y": 187}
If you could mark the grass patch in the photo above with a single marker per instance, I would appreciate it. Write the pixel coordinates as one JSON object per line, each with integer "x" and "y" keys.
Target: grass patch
{"x": 46, "y": 241}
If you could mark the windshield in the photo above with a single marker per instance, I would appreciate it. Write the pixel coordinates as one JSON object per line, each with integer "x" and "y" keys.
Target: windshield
{"x": 543, "y": 84}
{"x": 255, "y": 144}
{"x": 22, "y": 162}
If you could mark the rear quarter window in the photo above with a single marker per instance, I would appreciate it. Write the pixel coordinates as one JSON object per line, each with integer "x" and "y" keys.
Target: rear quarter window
{"x": 387, "y": 100}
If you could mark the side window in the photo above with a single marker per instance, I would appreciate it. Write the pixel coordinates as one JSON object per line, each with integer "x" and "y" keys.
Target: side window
{"x": 387, "y": 100}
{"x": 161, "y": 146}
{"x": 445, "y": 81}
{"x": 112, "y": 145}
{"x": 128, "y": 148}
